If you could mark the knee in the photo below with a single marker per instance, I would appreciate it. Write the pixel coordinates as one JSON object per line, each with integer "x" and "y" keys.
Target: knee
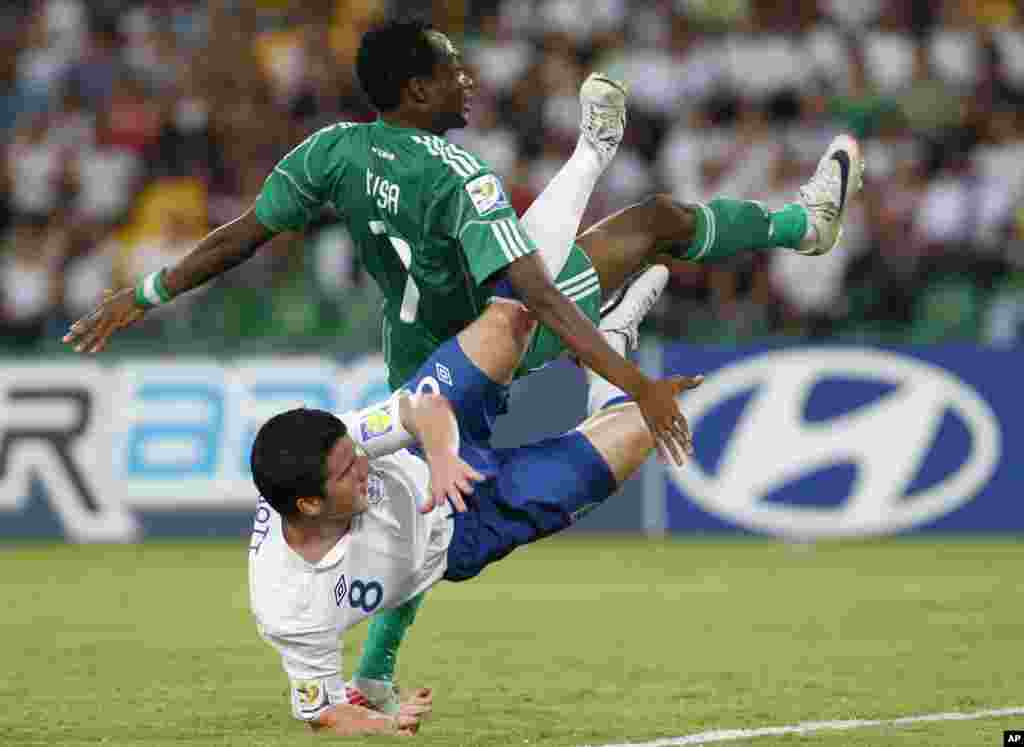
{"x": 497, "y": 340}
{"x": 507, "y": 320}
{"x": 670, "y": 218}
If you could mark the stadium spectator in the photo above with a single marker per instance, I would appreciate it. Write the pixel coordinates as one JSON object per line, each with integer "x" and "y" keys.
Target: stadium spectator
{"x": 217, "y": 92}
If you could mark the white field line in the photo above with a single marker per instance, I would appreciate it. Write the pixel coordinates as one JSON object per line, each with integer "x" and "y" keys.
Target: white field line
{"x": 731, "y": 735}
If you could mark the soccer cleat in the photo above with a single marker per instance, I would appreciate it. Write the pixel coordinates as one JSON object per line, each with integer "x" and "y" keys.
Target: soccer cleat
{"x": 624, "y": 312}
{"x": 377, "y": 695}
{"x": 603, "y": 104}
{"x": 839, "y": 176}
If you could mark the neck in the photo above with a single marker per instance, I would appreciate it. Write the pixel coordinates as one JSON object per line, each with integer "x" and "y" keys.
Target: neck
{"x": 312, "y": 541}
{"x": 412, "y": 120}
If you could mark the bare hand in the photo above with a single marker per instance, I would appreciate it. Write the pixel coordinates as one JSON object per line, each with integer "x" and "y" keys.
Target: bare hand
{"x": 117, "y": 310}
{"x": 416, "y": 708}
{"x": 660, "y": 409}
{"x": 450, "y": 478}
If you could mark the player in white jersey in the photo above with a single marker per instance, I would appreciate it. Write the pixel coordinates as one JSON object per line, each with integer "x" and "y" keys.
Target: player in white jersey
{"x": 362, "y": 513}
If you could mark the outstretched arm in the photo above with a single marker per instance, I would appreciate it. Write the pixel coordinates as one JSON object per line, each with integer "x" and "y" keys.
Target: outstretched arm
{"x": 222, "y": 249}
{"x": 426, "y": 419}
{"x": 656, "y": 399}
{"x": 431, "y": 421}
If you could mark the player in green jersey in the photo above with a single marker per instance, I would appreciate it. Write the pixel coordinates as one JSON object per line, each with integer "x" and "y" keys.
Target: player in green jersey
{"x": 435, "y": 229}
{"x": 431, "y": 220}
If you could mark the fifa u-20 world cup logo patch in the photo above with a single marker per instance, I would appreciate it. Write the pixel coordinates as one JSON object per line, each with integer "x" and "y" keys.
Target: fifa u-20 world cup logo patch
{"x": 310, "y": 696}
{"x": 376, "y": 424}
{"x": 487, "y": 194}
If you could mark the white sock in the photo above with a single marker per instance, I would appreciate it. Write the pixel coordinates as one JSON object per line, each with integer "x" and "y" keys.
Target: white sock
{"x": 601, "y": 391}
{"x": 553, "y": 220}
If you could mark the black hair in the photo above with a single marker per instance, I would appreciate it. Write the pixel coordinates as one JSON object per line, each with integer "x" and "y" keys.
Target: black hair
{"x": 389, "y": 56}
{"x": 289, "y": 456}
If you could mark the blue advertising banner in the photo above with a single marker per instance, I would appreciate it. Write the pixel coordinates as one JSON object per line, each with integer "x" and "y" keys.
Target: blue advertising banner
{"x": 803, "y": 442}
{"x": 111, "y": 454}
{"x": 160, "y": 447}
{"x": 833, "y": 441}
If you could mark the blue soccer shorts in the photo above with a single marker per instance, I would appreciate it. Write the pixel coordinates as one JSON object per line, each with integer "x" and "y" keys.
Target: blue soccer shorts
{"x": 530, "y": 492}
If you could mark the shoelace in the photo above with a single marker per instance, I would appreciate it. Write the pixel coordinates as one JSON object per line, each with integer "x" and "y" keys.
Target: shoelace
{"x": 604, "y": 124}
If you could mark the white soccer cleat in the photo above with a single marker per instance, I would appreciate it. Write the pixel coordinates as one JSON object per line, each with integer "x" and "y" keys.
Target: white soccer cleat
{"x": 377, "y": 695}
{"x": 603, "y": 123}
{"x": 839, "y": 176}
{"x": 624, "y": 312}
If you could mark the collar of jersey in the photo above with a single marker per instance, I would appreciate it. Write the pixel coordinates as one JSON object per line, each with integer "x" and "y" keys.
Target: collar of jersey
{"x": 381, "y": 123}
{"x": 331, "y": 559}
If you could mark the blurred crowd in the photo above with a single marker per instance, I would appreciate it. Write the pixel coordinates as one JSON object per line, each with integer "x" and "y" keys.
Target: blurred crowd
{"x": 133, "y": 126}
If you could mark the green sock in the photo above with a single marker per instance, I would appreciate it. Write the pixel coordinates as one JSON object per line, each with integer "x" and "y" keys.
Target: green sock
{"x": 383, "y": 638}
{"x": 726, "y": 228}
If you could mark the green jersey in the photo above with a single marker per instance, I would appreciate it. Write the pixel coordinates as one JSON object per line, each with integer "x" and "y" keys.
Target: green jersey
{"x": 431, "y": 221}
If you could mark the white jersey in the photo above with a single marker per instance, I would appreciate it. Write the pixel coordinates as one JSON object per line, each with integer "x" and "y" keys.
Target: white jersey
{"x": 391, "y": 553}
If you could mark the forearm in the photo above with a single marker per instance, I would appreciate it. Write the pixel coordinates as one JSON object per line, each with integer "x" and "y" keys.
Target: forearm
{"x": 221, "y": 250}
{"x": 553, "y": 309}
{"x": 431, "y": 421}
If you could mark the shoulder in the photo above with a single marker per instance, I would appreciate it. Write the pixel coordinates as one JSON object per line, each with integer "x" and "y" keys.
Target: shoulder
{"x": 453, "y": 164}
{"x": 459, "y": 174}
{"x": 329, "y": 135}
{"x": 338, "y": 133}
{"x": 399, "y": 473}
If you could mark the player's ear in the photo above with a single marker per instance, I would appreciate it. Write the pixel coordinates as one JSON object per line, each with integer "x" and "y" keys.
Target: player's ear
{"x": 418, "y": 89}
{"x": 309, "y": 506}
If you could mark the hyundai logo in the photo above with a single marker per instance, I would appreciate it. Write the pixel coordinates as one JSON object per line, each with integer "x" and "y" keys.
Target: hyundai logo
{"x": 884, "y": 444}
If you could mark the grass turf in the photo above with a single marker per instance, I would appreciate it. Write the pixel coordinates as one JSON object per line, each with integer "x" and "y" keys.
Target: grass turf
{"x": 577, "y": 640}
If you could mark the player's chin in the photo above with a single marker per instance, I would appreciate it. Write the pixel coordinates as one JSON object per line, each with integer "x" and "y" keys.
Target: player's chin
{"x": 456, "y": 121}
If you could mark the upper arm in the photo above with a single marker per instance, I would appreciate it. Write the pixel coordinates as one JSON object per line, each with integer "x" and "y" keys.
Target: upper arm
{"x": 469, "y": 205}
{"x": 247, "y": 230}
{"x": 530, "y": 278}
{"x": 487, "y": 227}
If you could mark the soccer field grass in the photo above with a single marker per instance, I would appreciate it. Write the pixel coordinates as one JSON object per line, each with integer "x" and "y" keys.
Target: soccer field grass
{"x": 574, "y": 641}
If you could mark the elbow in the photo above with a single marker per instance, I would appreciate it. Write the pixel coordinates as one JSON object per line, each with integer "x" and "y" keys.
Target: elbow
{"x": 541, "y": 298}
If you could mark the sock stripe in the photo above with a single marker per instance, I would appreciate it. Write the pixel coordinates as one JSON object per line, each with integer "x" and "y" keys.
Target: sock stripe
{"x": 710, "y": 230}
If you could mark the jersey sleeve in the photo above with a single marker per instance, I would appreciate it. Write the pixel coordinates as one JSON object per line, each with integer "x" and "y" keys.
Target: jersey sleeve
{"x": 476, "y": 211}
{"x": 293, "y": 193}
{"x": 378, "y": 428}
{"x": 313, "y": 666}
